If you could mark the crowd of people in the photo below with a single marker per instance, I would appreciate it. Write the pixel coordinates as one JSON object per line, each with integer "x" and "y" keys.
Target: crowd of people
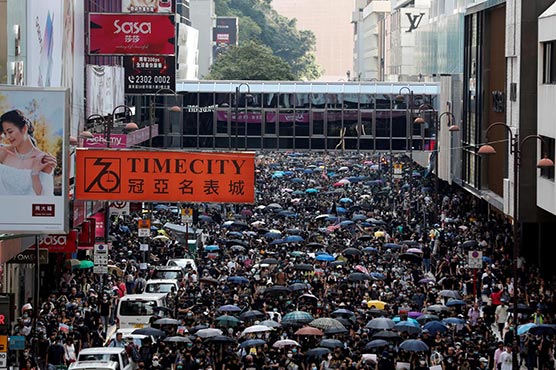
{"x": 347, "y": 266}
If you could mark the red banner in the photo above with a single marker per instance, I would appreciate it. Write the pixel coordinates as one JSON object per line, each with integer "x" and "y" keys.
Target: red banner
{"x": 59, "y": 243}
{"x": 131, "y": 34}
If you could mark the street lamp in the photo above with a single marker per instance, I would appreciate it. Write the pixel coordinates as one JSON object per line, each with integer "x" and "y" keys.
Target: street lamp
{"x": 408, "y": 107}
{"x": 248, "y": 95}
{"x": 516, "y": 146}
{"x": 174, "y": 109}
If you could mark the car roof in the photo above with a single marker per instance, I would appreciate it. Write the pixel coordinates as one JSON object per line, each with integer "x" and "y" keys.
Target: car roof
{"x": 95, "y": 365}
{"x": 101, "y": 350}
{"x": 168, "y": 268}
{"x": 162, "y": 281}
{"x": 129, "y": 297}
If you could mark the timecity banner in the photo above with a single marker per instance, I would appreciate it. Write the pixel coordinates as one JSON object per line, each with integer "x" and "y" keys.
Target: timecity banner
{"x": 34, "y": 153}
{"x": 165, "y": 176}
{"x": 131, "y": 34}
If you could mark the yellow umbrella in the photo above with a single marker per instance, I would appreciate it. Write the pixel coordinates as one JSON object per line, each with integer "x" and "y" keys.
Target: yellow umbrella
{"x": 376, "y": 304}
{"x": 163, "y": 232}
{"x": 112, "y": 269}
{"x": 379, "y": 234}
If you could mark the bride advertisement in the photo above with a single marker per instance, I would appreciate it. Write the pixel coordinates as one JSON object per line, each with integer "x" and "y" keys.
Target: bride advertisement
{"x": 33, "y": 160}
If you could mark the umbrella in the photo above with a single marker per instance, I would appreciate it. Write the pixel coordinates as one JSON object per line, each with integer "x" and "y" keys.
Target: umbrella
{"x": 252, "y": 343}
{"x": 414, "y": 250}
{"x": 326, "y": 323}
{"x": 346, "y": 200}
{"x": 85, "y": 264}
{"x": 317, "y": 352}
{"x": 408, "y": 326}
{"x": 237, "y": 248}
{"x": 228, "y": 321}
{"x": 270, "y": 323}
{"x": 233, "y": 242}
{"x": 414, "y": 258}
{"x": 177, "y": 339}
{"x": 342, "y": 312}
{"x": 521, "y": 308}
{"x": 427, "y": 280}
{"x": 435, "y": 326}
{"x": 229, "y": 308}
{"x": 423, "y": 319}
{"x": 386, "y": 335}
{"x": 391, "y": 246}
{"x": 251, "y": 314}
{"x": 238, "y": 280}
{"x": 453, "y": 320}
{"x": 301, "y": 317}
{"x": 309, "y": 330}
{"x": 331, "y": 343}
{"x": 285, "y": 343}
{"x": 207, "y": 333}
{"x": 358, "y": 276}
{"x": 414, "y": 314}
{"x": 524, "y": 329}
{"x": 271, "y": 261}
{"x": 293, "y": 239}
{"x": 376, "y": 304}
{"x": 167, "y": 321}
{"x": 335, "y": 330}
{"x": 295, "y": 287}
{"x": 152, "y": 332}
{"x": 325, "y": 257}
{"x": 211, "y": 248}
{"x": 437, "y": 308}
{"x": 469, "y": 244}
{"x": 376, "y": 344}
{"x": 220, "y": 339}
{"x": 256, "y": 329}
{"x": 115, "y": 270}
{"x": 414, "y": 345}
{"x": 543, "y": 329}
{"x": 380, "y": 323}
{"x": 349, "y": 252}
{"x": 197, "y": 328}
{"x": 209, "y": 280}
{"x": 449, "y": 294}
{"x": 303, "y": 267}
{"x": 277, "y": 289}
{"x": 455, "y": 302}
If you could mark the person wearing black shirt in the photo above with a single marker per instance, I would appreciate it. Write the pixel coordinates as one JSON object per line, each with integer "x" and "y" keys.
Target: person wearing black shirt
{"x": 55, "y": 354}
{"x": 385, "y": 362}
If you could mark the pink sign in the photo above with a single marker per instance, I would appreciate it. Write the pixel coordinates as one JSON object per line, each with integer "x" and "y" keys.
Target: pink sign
{"x": 99, "y": 225}
{"x": 99, "y": 141}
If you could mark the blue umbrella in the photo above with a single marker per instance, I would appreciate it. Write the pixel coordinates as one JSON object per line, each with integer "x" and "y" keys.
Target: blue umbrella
{"x": 229, "y": 308}
{"x": 212, "y": 248}
{"x": 154, "y": 228}
{"x": 308, "y": 171}
{"x": 161, "y": 207}
{"x": 277, "y": 241}
{"x": 272, "y": 235}
{"x": 252, "y": 343}
{"x": 124, "y": 229}
{"x": 369, "y": 250}
{"x": 311, "y": 191}
{"x": 398, "y": 319}
{"x": 453, "y": 321}
{"x": 358, "y": 217}
{"x": 524, "y": 329}
{"x": 205, "y": 218}
{"x": 340, "y": 210}
{"x": 287, "y": 213}
{"x": 238, "y": 280}
{"x": 391, "y": 246}
{"x": 376, "y": 343}
{"x": 346, "y": 223}
{"x": 414, "y": 345}
{"x": 408, "y": 326}
{"x": 455, "y": 302}
{"x": 293, "y": 239}
{"x": 435, "y": 326}
{"x": 378, "y": 276}
{"x": 346, "y": 200}
{"x": 325, "y": 257}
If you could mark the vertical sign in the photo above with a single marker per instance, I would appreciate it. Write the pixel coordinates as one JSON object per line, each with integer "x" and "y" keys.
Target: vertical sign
{"x": 148, "y": 74}
{"x": 187, "y": 215}
{"x": 475, "y": 259}
{"x": 224, "y": 34}
{"x": 144, "y": 228}
{"x": 100, "y": 259}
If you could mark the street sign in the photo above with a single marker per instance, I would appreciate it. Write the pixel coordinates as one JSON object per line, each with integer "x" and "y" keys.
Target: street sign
{"x": 144, "y": 228}
{"x": 144, "y": 247}
{"x": 475, "y": 259}
{"x": 3, "y": 360}
{"x": 187, "y": 215}
{"x": 16, "y": 343}
{"x": 398, "y": 170}
{"x": 100, "y": 259}
{"x": 119, "y": 208}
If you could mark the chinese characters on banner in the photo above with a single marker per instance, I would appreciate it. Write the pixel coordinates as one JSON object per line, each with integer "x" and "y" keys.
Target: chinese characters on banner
{"x": 165, "y": 176}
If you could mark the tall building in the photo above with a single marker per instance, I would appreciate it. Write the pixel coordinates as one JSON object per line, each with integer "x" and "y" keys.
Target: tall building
{"x": 330, "y": 21}
{"x": 203, "y": 19}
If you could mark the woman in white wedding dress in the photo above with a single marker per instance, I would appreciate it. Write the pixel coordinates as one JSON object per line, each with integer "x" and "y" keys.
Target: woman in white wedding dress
{"x": 24, "y": 169}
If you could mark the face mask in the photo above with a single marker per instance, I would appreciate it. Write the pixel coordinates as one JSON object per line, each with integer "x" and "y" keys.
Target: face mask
{"x": 314, "y": 368}
{"x": 294, "y": 350}
{"x": 155, "y": 362}
{"x": 290, "y": 355}
{"x": 197, "y": 360}
{"x": 330, "y": 357}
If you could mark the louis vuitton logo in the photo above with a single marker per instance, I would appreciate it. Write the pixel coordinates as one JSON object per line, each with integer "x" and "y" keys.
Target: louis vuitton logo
{"x": 414, "y": 20}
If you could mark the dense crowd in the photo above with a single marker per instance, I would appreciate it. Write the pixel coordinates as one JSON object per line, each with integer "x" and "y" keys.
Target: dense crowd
{"x": 345, "y": 265}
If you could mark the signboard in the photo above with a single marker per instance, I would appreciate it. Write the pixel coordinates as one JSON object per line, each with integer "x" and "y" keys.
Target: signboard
{"x": 119, "y": 208}
{"x": 169, "y": 176}
{"x": 3, "y": 359}
{"x": 187, "y": 215}
{"x": 16, "y": 343}
{"x": 224, "y": 34}
{"x": 100, "y": 259}
{"x": 99, "y": 141}
{"x": 59, "y": 243}
{"x": 99, "y": 225}
{"x": 151, "y": 6}
{"x": 143, "y": 247}
{"x": 131, "y": 34}
{"x": 29, "y": 256}
{"x": 475, "y": 259}
{"x": 3, "y": 343}
{"x": 148, "y": 74}
{"x": 41, "y": 114}
{"x": 144, "y": 228}
{"x": 398, "y": 170}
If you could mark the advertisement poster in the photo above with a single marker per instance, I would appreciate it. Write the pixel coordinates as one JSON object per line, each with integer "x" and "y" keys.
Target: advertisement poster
{"x": 44, "y": 43}
{"x": 34, "y": 150}
{"x": 148, "y": 74}
{"x": 148, "y": 6}
{"x": 165, "y": 176}
{"x": 224, "y": 34}
{"x": 131, "y": 34}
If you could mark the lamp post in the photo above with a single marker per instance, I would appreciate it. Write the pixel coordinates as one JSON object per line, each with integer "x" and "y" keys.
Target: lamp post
{"x": 516, "y": 146}
{"x": 408, "y": 107}
{"x": 238, "y": 91}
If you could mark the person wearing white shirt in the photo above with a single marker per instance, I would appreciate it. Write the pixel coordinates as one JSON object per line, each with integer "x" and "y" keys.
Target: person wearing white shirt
{"x": 506, "y": 359}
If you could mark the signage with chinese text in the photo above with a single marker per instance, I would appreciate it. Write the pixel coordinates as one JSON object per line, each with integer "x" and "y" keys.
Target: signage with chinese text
{"x": 131, "y": 34}
{"x": 148, "y": 74}
{"x": 100, "y": 259}
{"x": 168, "y": 176}
{"x": 144, "y": 228}
{"x": 151, "y": 6}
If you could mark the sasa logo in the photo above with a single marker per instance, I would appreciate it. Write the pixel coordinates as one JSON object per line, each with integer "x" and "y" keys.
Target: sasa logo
{"x": 54, "y": 240}
{"x": 132, "y": 28}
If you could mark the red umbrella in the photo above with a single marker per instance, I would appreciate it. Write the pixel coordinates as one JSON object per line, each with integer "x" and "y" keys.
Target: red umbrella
{"x": 309, "y": 330}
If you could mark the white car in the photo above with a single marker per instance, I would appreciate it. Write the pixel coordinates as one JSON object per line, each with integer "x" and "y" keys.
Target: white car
{"x": 105, "y": 355}
{"x": 184, "y": 263}
{"x": 95, "y": 365}
{"x": 127, "y": 333}
{"x": 161, "y": 286}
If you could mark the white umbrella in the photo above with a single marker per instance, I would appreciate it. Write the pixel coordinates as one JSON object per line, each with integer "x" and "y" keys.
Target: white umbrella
{"x": 285, "y": 343}
{"x": 207, "y": 333}
{"x": 256, "y": 329}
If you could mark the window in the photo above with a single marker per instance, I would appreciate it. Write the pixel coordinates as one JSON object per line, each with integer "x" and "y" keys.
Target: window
{"x": 548, "y": 150}
{"x": 549, "y": 62}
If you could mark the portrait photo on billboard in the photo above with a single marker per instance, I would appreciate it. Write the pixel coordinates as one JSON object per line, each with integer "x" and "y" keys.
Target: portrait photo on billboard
{"x": 33, "y": 154}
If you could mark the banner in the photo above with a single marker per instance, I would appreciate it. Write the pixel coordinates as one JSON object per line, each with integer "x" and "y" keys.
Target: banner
{"x": 148, "y": 6}
{"x": 165, "y": 176}
{"x": 99, "y": 225}
{"x": 131, "y": 34}
{"x": 59, "y": 243}
{"x": 148, "y": 74}
{"x": 34, "y": 152}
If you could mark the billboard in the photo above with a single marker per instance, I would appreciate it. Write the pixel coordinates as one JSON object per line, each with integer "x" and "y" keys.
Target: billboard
{"x": 59, "y": 243}
{"x": 165, "y": 176}
{"x": 148, "y": 74}
{"x": 148, "y": 6}
{"x": 131, "y": 34}
{"x": 224, "y": 34}
{"x": 34, "y": 160}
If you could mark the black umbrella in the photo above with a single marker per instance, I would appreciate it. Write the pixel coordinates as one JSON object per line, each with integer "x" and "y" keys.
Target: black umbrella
{"x": 350, "y": 252}
{"x": 220, "y": 339}
{"x": 177, "y": 339}
{"x": 197, "y": 328}
{"x": 277, "y": 289}
{"x": 331, "y": 343}
{"x": 271, "y": 261}
{"x": 358, "y": 276}
{"x": 469, "y": 244}
{"x": 335, "y": 330}
{"x": 376, "y": 344}
{"x": 414, "y": 258}
{"x": 251, "y": 314}
{"x": 149, "y": 332}
{"x": 386, "y": 335}
{"x": 317, "y": 352}
{"x": 299, "y": 286}
{"x": 314, "y": 245}
{"x": 303, "y": 267}
{"x": 231, "y": 242}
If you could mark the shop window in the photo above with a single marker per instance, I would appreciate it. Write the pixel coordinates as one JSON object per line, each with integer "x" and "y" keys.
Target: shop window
{"x": 549, "y": 62}
{"x": 548, "y": 149}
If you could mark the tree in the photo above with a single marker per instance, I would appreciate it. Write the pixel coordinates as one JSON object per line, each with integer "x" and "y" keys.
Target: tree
{"x": 259, "y": 22}
{"x": 250, "y": 61}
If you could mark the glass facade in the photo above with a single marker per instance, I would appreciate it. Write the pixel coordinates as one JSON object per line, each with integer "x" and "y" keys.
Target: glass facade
{"x": 299, "y": 116}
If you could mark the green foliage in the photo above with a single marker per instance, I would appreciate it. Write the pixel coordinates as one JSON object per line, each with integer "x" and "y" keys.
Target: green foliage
{"x": 259, "y": 22}
{"x": 250, "y": 61}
